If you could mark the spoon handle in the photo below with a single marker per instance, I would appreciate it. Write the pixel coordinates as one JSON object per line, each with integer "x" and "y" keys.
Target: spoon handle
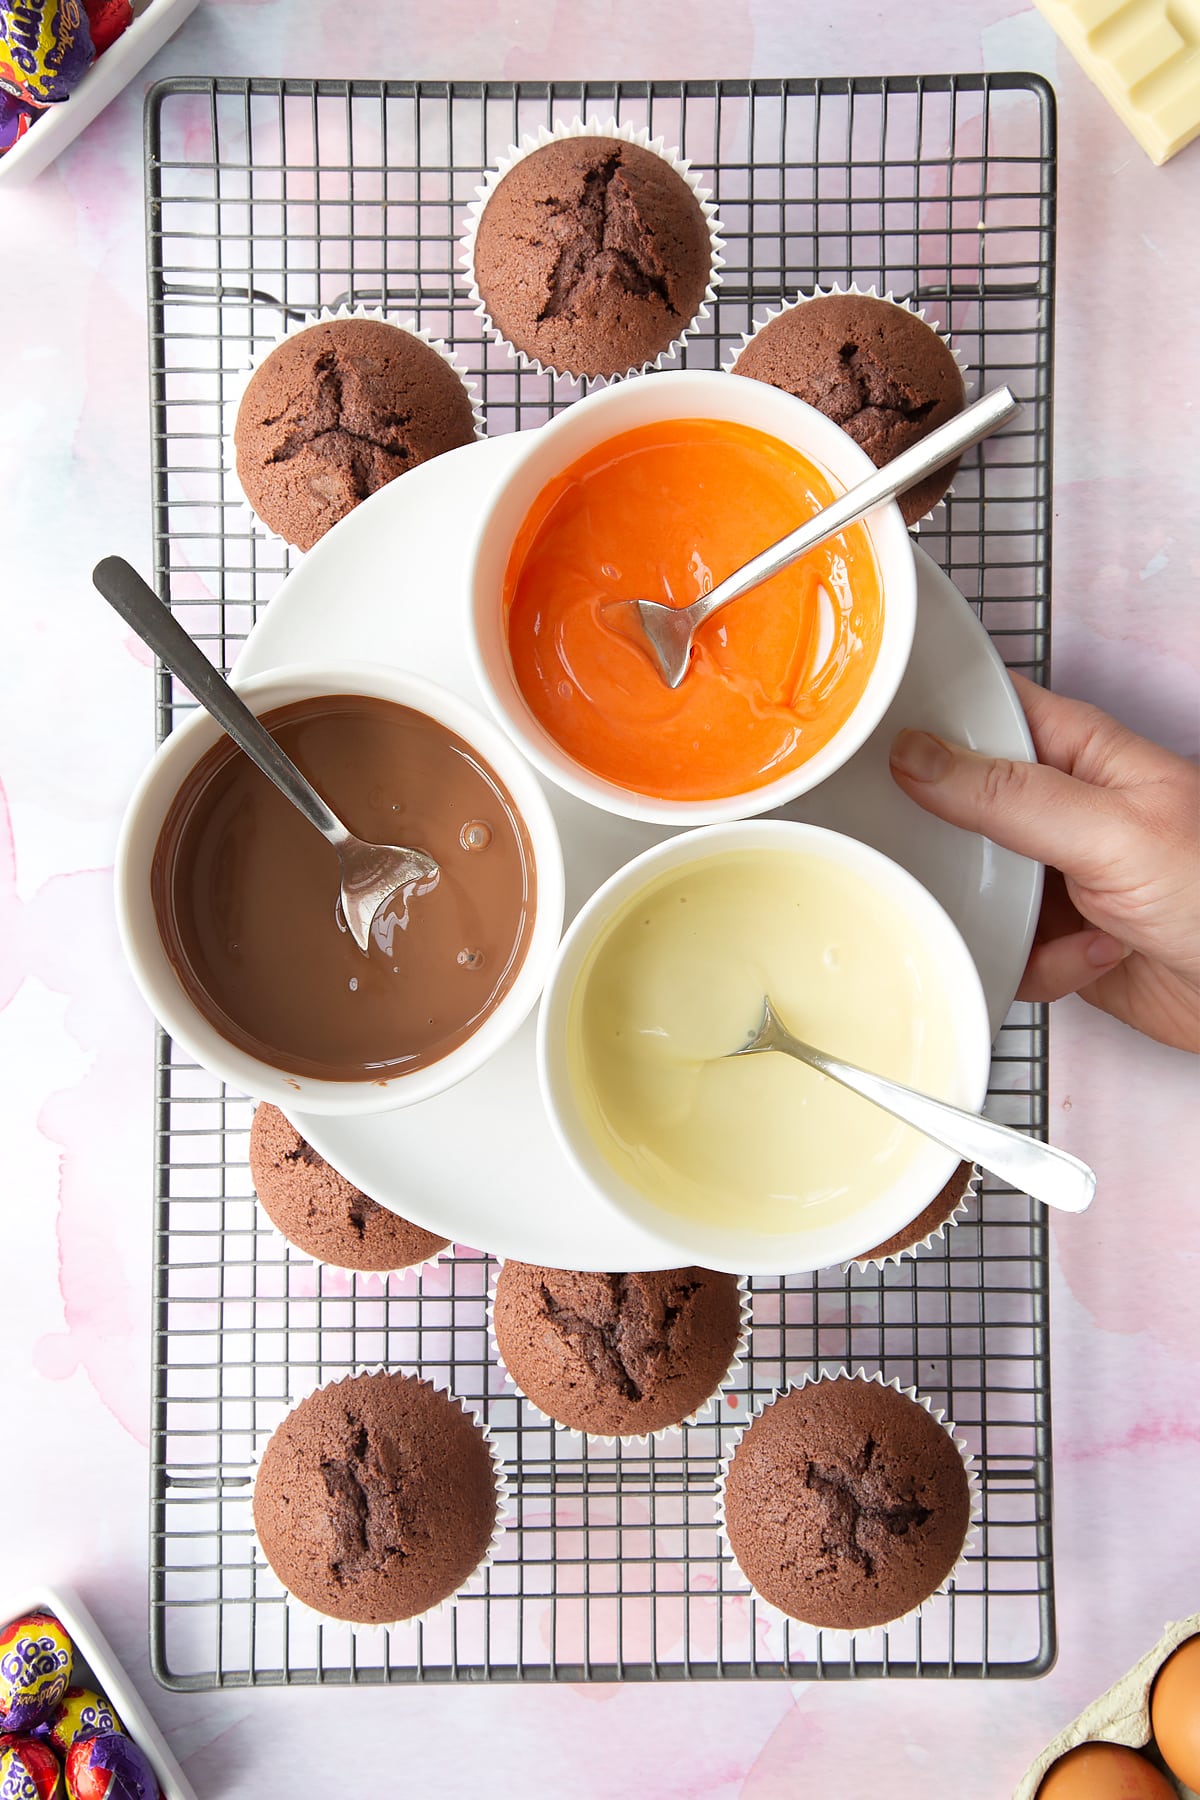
{"x": 1046, "y": 1174}
{"x": 968, "y": 427}
{"x": 142, "y": 610}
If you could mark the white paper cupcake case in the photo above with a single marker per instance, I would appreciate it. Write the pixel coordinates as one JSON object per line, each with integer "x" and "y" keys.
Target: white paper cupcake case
{"x": 969, "y": 1193}
{"x": 871, "y": 293}
{"x": 693, "y": 1418}
{"x": 321, "y": 316}
{"x": 267, "y": 1582}
{"x": 975, "y": 1501}
{"x": 628, "y": 134}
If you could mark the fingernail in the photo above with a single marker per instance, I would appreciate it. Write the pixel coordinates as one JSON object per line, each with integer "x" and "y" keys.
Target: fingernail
{"x": 1104, "y": 950}
{"x": 921, "y": 756}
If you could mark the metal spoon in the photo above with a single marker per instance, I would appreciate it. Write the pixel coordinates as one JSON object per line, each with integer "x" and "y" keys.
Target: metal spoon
{"x": 1025, "y": 1163}
{"x": 669, "y": 630}
{"x": 371, "y": 873}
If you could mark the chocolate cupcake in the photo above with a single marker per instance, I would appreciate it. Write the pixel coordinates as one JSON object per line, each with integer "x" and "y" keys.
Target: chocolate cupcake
{"x": 376, "y": 1499}
{"x": 846, "y": 1503}
{"x": 617, "y": 1355}
{"x": 591, "y": 252}
{"x": 323, "y": 1213}
{"x": 930, "y": 1222}
{"x": 872, "y": 366}
{"x": 338, "y": 409}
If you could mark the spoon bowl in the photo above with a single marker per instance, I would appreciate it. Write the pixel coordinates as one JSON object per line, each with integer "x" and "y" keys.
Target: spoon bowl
{"x": 374, "y": 878}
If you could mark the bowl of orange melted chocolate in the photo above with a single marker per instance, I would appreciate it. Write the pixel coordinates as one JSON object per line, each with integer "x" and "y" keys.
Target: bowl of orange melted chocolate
{"x": 657, "y": 489}
{"x": 227, "y": 898}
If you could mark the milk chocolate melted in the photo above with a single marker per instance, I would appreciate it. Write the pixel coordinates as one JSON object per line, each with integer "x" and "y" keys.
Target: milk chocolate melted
{"x": 245, "y": 892}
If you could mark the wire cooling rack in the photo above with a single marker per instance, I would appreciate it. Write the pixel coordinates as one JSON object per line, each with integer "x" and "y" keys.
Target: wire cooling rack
{"x": 266, "y": 199}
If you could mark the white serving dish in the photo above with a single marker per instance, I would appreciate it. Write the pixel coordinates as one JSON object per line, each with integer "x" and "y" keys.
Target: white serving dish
{"x": 538, "y": 456}
{"x": 351, "y": 597}
{"x": 96, "y": 1666}
{"x": 733, "y": 1247}
{"x": 154, "y": 22}
{"x": 161, "y": 988}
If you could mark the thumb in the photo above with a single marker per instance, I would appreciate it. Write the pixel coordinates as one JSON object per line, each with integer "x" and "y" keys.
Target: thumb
{"x": 1064, "y": 965}
{"x": 1027, "y": 807}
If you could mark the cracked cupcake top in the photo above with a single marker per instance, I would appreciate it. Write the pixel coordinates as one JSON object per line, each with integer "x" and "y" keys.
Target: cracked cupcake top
{"x": 846, "y": 1504}
{"x": 320, "y": 1211}
{"x": 616, "y": 1355}
{"x": 337, "y": 411}
{"x": 592, "y": 255}
{"x": 872, "y": 367}
{"x": 375, "y": 1499}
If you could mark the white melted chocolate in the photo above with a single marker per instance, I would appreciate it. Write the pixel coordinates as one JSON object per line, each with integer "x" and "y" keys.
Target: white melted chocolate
{"x": 677, "y": 983}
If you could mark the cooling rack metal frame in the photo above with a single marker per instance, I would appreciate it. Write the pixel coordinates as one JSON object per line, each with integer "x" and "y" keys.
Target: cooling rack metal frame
{"x": 264, "y": 200}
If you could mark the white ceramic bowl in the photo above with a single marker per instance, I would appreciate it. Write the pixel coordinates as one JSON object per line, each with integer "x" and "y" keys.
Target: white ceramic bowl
{"x": 157, "y": 980}
{"x": 733, "y": 1247}
{"x": 645, "y": 400}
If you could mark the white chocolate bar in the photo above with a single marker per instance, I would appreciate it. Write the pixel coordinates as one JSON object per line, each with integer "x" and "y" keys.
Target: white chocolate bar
{"x": 1144, "y": 56}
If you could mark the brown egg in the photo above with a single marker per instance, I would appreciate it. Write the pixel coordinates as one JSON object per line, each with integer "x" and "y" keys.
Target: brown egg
{"x": 1104, "y": 1772}
{"x": 1175, "y": 1713}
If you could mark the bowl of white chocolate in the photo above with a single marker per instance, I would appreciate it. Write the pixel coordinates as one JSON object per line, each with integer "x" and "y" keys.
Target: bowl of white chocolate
{"x": 758, "y": 1164}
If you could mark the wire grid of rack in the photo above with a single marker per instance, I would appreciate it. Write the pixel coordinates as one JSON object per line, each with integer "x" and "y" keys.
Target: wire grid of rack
{"x": 265, "y": 200}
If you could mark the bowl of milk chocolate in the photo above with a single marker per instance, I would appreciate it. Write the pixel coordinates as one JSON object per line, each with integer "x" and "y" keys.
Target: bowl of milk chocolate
{"x": 228, "y": 899}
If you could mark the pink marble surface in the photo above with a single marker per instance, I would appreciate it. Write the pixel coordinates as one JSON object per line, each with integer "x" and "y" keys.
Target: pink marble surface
{"x": 75, "y": 1044}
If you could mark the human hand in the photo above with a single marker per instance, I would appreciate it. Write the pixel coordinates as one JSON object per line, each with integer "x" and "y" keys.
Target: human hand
{"x": 1117, "y": 821}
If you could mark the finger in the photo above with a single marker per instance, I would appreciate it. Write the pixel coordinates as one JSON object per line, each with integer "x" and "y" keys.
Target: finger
{"x": 1067, "y": 964}
{"x": 1059, "y": 915}
{"x": 1079, "y": 739}
{"x": 1026, "y": 807}
{"x": 1061, "y": 728}
{"x": 1143, "y": 994}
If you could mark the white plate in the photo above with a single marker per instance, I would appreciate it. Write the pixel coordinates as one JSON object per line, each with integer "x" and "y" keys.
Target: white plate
{"x": 479, "y": 1164}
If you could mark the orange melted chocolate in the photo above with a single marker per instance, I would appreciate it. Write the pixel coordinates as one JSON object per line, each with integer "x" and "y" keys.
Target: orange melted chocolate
{"x": 665, "y": 513}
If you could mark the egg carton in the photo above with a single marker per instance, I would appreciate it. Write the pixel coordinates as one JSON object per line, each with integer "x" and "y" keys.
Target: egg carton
{"x": 1121, "y": 1716}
